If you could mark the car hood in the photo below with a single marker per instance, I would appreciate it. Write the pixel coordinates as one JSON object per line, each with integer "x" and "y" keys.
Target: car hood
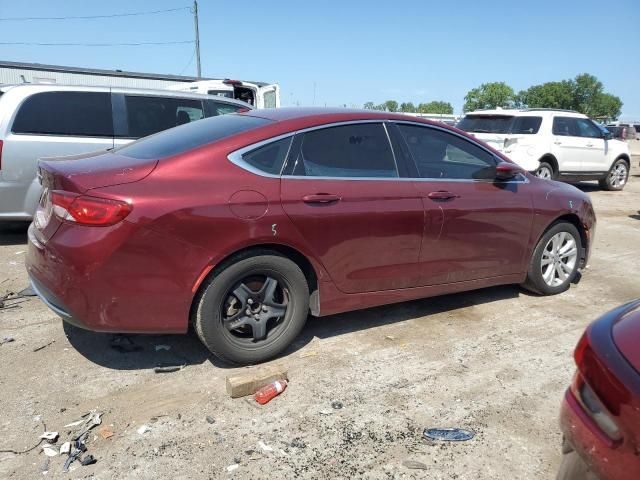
{"x": 626, "y": 335}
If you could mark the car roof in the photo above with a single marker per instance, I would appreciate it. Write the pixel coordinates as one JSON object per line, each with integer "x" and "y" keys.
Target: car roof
{"x": 42, "y": 87}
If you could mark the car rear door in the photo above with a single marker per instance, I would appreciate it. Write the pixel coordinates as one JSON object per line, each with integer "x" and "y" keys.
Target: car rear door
{"x": 342, "y": 191}
{"x": 486, "y": 224}
{"x": 568, "y": 146}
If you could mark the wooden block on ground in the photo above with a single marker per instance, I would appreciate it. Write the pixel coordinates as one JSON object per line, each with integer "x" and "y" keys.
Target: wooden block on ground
{"x": 252, "y": 379}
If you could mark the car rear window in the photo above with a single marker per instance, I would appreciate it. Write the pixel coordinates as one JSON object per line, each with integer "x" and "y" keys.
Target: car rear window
{"x": 504, "y": 124}
{"x": 77, "y": 114}
{"x": 192, "y": 135}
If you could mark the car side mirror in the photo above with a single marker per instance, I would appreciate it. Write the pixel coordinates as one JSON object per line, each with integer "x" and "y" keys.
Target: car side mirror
{"x": 607, "y": 135}
{"x": 506, "y": 170}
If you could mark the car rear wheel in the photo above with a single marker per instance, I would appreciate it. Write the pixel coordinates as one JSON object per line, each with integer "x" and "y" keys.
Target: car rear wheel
{"x": 545, "y": 171}
{"x": 253, "y": 309}
{"x": 617, "y": 177}
{"x": 555, "y": 261}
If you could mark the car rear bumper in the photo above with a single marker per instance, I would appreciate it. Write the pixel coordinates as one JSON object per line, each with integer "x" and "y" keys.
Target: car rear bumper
{"x": 113, "y": 279}
{"x": 581, "y": 434}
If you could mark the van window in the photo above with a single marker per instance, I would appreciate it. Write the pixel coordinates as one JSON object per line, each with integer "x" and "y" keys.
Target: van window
{"x": 148, "y": 115}
{"x": 221, "y": 93}
{"x": 270, "y": 99}
{"x": 77, "y": 114}
{"x": 190, "y": 136}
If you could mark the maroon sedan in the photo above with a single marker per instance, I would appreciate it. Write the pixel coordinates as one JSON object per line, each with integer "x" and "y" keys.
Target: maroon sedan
{"x": 244, "y": 224}
{"x": 600, "y": 416}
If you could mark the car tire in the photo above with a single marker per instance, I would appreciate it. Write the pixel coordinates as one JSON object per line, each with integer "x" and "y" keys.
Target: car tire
{"x": 617, "y": 176}
{"x": 545, "y": 171}
{"x": 240, "y": 303}
{"x": 555, "y": 260}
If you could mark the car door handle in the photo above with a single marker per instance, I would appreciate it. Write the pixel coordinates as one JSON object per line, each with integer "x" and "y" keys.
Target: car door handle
{"x": 558, "y": 142}
{"x": 442, "y": 195}
{"x": 589, "y": 144}
{"x": 321, "y": 198}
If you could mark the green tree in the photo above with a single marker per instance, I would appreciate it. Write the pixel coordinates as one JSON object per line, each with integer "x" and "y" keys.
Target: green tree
{"x": 369, "y": 106}
{"x": 391, "y": 106}
{"x": 436, "y": 107}
{"x": 585, "y": 92}
{"x": 407, "y": 107}
{"x": 489, "y": 95}
{"x": 605, "y": 106}
{"x": 548, "y": 95}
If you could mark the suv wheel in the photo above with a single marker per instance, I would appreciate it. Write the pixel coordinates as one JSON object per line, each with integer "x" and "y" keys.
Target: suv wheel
{"x": 253, "y": 309}
{"x": 555, "y": 261}
{"x": 617, "y": 177}
{"x": 545, "y": 170}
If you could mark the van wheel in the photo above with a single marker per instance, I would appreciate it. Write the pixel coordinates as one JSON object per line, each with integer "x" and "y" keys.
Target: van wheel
{"x": 545, "y": 170}
{"x": 253, "y": 309}
{"x": 555, "y": 261}
{"x": 617, "y": 177}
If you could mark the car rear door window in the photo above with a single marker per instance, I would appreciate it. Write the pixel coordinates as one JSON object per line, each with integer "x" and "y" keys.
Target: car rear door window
{"x": 78, "y": 114}
{"x": 439, "y": 154}
{"x": 348, "y": 151}
{"x": 151, "y": 114}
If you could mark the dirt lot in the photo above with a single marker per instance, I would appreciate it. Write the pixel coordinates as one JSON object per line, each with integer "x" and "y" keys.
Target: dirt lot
{"x": 496, "y": 361}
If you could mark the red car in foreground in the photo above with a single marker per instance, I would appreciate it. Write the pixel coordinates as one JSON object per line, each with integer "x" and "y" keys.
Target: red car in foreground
{"x": 600, "y": 416}
{"x": 244, "y": 224}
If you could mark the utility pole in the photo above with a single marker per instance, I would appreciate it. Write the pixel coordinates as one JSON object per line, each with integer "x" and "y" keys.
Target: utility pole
{"x": 195, "y": 22}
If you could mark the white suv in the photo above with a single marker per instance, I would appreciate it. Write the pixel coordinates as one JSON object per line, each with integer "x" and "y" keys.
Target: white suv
{"x": 553, "y": 144}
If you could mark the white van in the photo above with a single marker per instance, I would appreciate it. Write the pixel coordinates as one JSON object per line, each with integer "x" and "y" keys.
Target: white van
{"x": 258, "y": 94}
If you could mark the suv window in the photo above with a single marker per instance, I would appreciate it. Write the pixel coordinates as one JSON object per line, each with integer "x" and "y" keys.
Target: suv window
{"x": 564, "y": 126}
{"x": 526, "y": 125}
{"x": 439, "y": 154}
{"x": 586, "y": 128}
{"x": 359, "y": 150}
{"x": 78, "y": 114}
{"x": 190, "y": 136}
{"x": 503, "y": 124}
{"x": 148, "y": 115}
{"x": 269, "y": 158}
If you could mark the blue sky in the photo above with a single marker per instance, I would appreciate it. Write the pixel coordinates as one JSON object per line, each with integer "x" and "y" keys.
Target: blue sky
{"x": 353, "y": 51}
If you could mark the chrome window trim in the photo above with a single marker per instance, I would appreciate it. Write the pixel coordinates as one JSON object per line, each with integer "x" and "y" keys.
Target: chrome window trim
{"x": 235, "y": 157}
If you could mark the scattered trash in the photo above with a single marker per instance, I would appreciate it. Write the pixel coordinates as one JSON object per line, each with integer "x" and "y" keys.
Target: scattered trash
{"x": 105, "y": 432}
{"x": 298, "y": 443}
{"x": 210, "y": 419}
{"x": 169, "y": 368}
{"x": 412, "y": 464}
{"x": 124, "y": 344}
{"x": 87, "y": 460}
{"x": 37, "y": 349}
{"x": 336, "y": 405}
{"x": 326, "y": 412}
{"x": 65, "y": 448}
{"x": 448, "y": 434}
{"x": 268, "y": 392}
{"x": 7, "y": 340}
{"x": 50, "y": 450}
{"x": 143, "y": 429}
{"x": 265, "y": 447}
{"x": 81, "y": 427}
{"x": 8, "y": 300}
{"x": 162, "y": 347}
{"x": 53, "y": 436}
{"x": 233, "y": 467}
{"x": 20, "y": 252}
{"x": 45, "y": 466}
{"x": 389, "y": 337}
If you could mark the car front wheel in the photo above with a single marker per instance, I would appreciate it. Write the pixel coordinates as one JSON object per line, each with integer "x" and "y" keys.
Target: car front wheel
{"x": 253, "y": 309}
{"x": 545, "y": 171}
{"x": 617, "y": 177}
{"x": 555, "y": 261}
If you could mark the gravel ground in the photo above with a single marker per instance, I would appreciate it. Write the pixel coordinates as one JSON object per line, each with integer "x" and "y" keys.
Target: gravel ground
{"x": 496, "y": 361}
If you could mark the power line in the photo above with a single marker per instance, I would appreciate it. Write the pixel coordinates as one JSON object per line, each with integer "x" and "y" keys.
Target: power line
{"x": 188, "y": 64}
{"x": 34, "y": 44}
{"x": 94, "y": 17}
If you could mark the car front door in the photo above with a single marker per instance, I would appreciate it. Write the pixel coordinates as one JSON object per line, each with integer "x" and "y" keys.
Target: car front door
{"x": 595, "y": 153}
{"x": 568, "y": 146}
{"x": 342, "y": 191}
{"x": 486, "y": 224}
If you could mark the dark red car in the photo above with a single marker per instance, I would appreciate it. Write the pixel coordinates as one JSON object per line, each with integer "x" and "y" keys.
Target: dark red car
{"x": 244, "y": 224}
{"x": 600, "y": 416}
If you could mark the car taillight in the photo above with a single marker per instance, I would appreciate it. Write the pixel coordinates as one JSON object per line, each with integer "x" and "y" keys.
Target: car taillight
{"x": 232, "y": 82}
{"x": 590, "y": 380}
{"x": 86, "y": 210}
{"x": 243, "y": 110}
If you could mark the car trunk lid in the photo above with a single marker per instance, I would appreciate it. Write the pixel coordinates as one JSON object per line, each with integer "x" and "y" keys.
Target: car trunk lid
{"x": 626, "y": 335}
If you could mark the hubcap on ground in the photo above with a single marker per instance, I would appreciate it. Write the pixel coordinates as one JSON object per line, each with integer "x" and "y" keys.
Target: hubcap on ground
{"x": 618, "y": 175}
{"x": 254, "y": 307}
{"x": 544, "y": 172}
{"x": 559, "y": 259}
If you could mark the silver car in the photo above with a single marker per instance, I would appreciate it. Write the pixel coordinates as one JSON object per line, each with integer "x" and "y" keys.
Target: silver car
{"x": 38, "y": 121}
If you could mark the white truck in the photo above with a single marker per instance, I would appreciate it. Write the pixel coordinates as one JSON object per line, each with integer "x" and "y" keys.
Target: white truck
{"x": 257, "y": 94}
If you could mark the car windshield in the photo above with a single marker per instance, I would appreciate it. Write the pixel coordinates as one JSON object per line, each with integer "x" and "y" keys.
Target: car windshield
{"x": 189, "y": 136}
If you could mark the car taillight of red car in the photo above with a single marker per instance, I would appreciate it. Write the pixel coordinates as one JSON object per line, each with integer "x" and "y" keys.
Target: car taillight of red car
{"x": 89, "y": 210}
